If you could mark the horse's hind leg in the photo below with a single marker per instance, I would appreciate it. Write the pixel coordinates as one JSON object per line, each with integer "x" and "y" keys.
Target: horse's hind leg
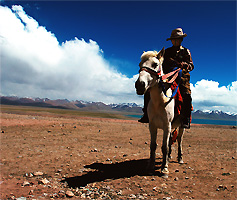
{"x": 170, "y": 148}
{"x": 153, "y": 145}
{"x": 179, "y": 139}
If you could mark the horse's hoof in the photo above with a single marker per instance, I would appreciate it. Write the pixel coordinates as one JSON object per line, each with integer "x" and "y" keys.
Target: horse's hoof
{"x": 165, "y": 171}
{"x": 164, "y": 176}
{"x": 181, "y": 161}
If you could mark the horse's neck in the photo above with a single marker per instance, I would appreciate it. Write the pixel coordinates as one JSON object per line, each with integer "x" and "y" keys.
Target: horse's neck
{"x": 156, "y": 95}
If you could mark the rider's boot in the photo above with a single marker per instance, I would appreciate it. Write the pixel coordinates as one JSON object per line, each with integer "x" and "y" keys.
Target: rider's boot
{"x": 186, "y": 123}
{"x": 145, "y": 118}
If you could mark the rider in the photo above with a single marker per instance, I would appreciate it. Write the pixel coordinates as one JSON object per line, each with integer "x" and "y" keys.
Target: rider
{"x": 177, "y": 56}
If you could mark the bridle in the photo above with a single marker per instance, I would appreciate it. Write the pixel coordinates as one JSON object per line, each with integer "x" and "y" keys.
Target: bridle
{"x": 151, "y": 71}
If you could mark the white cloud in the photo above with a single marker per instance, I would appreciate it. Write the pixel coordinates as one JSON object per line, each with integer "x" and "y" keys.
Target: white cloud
{"x": 34, "y": 64}
{"x": 208, "y": 95}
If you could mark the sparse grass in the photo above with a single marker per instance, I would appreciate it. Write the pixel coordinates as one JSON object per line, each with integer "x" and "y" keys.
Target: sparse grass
{"x": 30, "y": 110}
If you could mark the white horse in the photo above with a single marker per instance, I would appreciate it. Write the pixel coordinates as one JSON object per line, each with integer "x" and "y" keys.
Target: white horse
{"x": 160, "y": 108}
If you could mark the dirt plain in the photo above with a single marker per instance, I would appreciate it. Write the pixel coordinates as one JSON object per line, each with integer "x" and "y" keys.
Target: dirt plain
{"x": 46, "y": 155}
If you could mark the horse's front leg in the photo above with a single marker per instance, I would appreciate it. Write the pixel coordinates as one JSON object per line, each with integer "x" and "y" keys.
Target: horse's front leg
{"x": 153, "y": 145}
{"x": 179, "y": 139}
{"x": 165, "y": 150}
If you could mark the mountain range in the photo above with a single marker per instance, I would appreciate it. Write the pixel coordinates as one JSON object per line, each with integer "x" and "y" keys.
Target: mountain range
{"x": 100, "y": 106}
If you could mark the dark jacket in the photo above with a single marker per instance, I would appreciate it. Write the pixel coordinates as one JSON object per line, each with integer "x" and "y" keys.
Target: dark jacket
{"x": 179, "y": 54}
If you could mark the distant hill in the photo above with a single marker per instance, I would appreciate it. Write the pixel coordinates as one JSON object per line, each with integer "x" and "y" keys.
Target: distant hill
{"x": 66, "y": 104}
{"x": 100, "y": 106}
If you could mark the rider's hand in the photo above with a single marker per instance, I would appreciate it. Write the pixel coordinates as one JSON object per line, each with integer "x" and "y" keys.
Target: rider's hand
{"x": 184, "y": 65}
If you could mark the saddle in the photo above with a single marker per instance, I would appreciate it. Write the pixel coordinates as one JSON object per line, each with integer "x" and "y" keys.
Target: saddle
{"x": 178, "y": 99}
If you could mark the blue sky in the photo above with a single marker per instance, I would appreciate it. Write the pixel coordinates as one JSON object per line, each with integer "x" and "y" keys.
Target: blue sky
{"x": 123, "y": 30}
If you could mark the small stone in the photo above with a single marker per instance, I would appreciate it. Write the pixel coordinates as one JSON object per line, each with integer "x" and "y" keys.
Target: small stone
{"x": 133, "y": 196}
{"x": 164, "y": 185}
{"x": 186, "y": 192}
{"x": 140, "y": 197}
{"x": 186, "y": 177}
{"x": 43, "y": 181}
{"x": 29, "y": 175}
{"x": 25, "y": 183}
{"x": 177, "y": 170}
{"x": 120, "y": 192}
{"x": 61, "y": 194}
{"x": 31, "y": 192}
{"x": 45, "y": 194}
{"x": 2, "y": 131}
{"x": 124, "y": 155}
{"x": 49, "y": 131}
{"x": 38, "y": 173}
{"x": 59, "y": 170}
{"x": 19, "y": 198}
{"x": 176, "y": 178}
{"x": 69, "y": 193}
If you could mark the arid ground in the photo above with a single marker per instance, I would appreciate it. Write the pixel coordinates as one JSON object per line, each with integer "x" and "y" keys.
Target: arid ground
{"x": 47, "y": 154}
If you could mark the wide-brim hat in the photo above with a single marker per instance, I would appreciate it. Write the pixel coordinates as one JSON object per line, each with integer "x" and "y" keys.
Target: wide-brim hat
{"x": 177, "y": 33}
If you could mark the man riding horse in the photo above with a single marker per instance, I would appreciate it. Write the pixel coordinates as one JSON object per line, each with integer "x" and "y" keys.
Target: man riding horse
{"x": 177, "y": 56}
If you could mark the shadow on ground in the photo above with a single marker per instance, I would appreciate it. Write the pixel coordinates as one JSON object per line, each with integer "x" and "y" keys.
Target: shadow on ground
{"x": 102, "y": 172}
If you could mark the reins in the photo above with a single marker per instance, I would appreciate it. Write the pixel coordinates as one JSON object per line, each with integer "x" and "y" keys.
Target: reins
{"x": 177, "y": 73}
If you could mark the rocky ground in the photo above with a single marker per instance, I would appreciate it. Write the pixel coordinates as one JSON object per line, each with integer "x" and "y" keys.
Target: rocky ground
{"x": 50, "y": 156}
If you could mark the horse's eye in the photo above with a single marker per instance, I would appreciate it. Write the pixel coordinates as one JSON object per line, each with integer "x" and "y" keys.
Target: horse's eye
{"x": 154, "y": 65}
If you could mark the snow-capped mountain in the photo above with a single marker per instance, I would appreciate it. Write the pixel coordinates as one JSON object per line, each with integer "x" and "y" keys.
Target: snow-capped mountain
{"x": 216, "y": 114}
{"x": 100, "y": 106}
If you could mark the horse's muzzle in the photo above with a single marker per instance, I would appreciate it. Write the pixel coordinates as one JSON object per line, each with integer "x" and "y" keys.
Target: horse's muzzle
{"x": 140, "y": 87}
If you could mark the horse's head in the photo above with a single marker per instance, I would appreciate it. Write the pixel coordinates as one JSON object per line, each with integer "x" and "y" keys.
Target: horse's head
{"x": 150, "y": 70}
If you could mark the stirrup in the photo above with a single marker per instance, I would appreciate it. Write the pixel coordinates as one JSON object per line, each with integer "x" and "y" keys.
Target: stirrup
{"x": 186, "y": 124}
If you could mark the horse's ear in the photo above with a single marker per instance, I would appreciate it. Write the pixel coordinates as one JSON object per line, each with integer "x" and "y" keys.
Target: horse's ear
{"x": 161, "y": 53}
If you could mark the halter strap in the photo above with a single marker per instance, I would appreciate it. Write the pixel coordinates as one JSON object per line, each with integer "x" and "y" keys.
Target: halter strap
{"x": 151, "y": 71}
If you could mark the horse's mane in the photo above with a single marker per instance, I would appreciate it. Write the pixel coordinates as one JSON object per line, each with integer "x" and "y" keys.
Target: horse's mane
{"x": 148, "y": 54}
